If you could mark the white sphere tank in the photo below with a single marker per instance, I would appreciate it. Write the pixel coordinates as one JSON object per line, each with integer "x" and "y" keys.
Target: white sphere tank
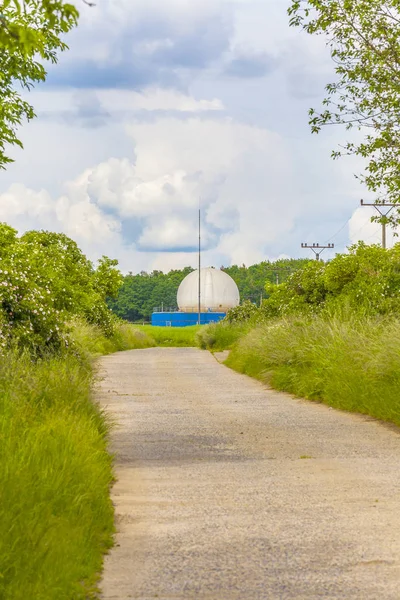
{"x": 219, "y": 292}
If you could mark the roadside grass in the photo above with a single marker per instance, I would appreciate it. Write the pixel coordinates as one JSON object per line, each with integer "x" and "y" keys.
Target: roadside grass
{"x": 352, "y": 364}
{"x": 172, "y": 336}
{"x": 56, "y": 516}
{"x": 220, "y": 336}
{"x": 91, "y": 341}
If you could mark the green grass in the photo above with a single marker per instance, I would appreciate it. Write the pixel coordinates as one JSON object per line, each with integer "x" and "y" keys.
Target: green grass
{"x": 91, "y": 341}
{"x": 56, "y": 517}
{"x": 220, "y": 336}
{"x": 172, "y": 336}
{"x": 351, "y": 364}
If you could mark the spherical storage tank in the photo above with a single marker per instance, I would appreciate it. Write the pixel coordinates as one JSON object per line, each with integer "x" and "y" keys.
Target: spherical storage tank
{"x": 219, "y": 292}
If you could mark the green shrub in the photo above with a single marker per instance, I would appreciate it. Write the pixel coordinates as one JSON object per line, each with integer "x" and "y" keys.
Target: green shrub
{"x": 242, "y": 313}
{"x": 365, "y": 281}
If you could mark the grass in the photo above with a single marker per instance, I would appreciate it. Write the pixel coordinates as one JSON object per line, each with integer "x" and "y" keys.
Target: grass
{"x": 352, "y": 365}
{"x": 56, "y": 517}
{"x": 220, "y": 336}
{"x": 90, "y": 340}
{"x": 172, "y": 336}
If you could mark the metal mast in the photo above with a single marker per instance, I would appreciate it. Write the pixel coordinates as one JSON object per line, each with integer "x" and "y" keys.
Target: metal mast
{"x": 199, "y": 318}
{"x": 317, "y": 248}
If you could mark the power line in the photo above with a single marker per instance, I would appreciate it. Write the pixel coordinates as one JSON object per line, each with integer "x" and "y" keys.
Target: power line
{"x": 362, "y": 227}
{"x": 337, "y": 233}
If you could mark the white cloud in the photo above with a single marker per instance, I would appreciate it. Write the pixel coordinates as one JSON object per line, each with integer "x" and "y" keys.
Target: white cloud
{"x": 74, "y": 215}
{"x": 165, "y": 232}
{"x": 235, "y": 171}
{"x": 154, "y": 99}
{"x": 151, "y": 99}
{"x": 246, "y": 178}
{"x": 117, "y": 184}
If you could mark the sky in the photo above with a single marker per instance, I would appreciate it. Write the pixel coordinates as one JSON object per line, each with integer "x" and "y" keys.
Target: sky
{"x": 164, "y": 106}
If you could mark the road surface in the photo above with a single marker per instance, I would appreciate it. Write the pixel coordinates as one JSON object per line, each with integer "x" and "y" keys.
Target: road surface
{"x": 227, "y": 490}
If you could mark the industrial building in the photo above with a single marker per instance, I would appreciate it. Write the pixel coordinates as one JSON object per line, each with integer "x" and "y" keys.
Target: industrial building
{"x": 203, "y": 297}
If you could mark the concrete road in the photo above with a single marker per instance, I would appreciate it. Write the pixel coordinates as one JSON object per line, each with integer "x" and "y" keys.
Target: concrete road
{"x": 227, "y": 490}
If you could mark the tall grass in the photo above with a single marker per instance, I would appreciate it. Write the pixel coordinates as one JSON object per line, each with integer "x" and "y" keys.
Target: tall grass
{"x": 349, "y": 364}
{"x": 90, "y": 339}
{"x": 221, "y": 336}
{"x": 56, "y": 517}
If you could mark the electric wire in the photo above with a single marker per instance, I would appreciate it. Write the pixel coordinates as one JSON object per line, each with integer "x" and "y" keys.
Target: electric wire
{"x": 339, "y": 231}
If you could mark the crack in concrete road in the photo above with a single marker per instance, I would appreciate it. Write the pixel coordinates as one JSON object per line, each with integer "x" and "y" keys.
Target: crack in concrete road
{"x": 227, "y": 490}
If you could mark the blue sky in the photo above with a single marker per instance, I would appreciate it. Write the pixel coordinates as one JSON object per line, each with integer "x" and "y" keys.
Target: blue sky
{"x": 161, "y": 106}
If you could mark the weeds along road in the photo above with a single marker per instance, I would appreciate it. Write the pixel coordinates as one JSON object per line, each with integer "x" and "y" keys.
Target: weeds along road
{"x": 229, "y": 491}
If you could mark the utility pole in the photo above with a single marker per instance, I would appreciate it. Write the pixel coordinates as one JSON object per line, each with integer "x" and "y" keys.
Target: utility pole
{"x": 317, "y": 249}
{"x": 199, "y": 307}
{"x": 384, "y": 216}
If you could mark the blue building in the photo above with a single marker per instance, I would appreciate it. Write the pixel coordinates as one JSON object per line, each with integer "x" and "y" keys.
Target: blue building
{"x": 181, "y": 319}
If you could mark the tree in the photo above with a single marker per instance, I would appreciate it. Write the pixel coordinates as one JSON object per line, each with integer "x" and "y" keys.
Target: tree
{"x": 30, "y": 34}
{"x": 364, "y": 40}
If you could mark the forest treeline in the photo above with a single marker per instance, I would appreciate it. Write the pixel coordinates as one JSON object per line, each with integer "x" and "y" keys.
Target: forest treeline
{"x": 140, "y": 294}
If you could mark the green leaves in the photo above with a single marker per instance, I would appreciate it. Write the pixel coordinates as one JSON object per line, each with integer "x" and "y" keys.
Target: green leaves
{"x": 364, "y": 39}
{"x": 30, "y": 33}
{"x": 366, "y": 280}
{"x": 45, "y": 280}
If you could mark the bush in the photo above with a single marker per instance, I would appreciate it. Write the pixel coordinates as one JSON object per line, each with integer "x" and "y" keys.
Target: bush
{"x": 366, "y": 281}
{"x": 56, "y": 517}
{"x": 241, "y": 313}
{"x": 44, "y": 281}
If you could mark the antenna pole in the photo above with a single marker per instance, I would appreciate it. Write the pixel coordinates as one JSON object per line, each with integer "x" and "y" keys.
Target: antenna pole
{"x": 199, "y": 267}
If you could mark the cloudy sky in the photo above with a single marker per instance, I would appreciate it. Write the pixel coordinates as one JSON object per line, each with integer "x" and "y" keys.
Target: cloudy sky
{"x": 162, "y": 105}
